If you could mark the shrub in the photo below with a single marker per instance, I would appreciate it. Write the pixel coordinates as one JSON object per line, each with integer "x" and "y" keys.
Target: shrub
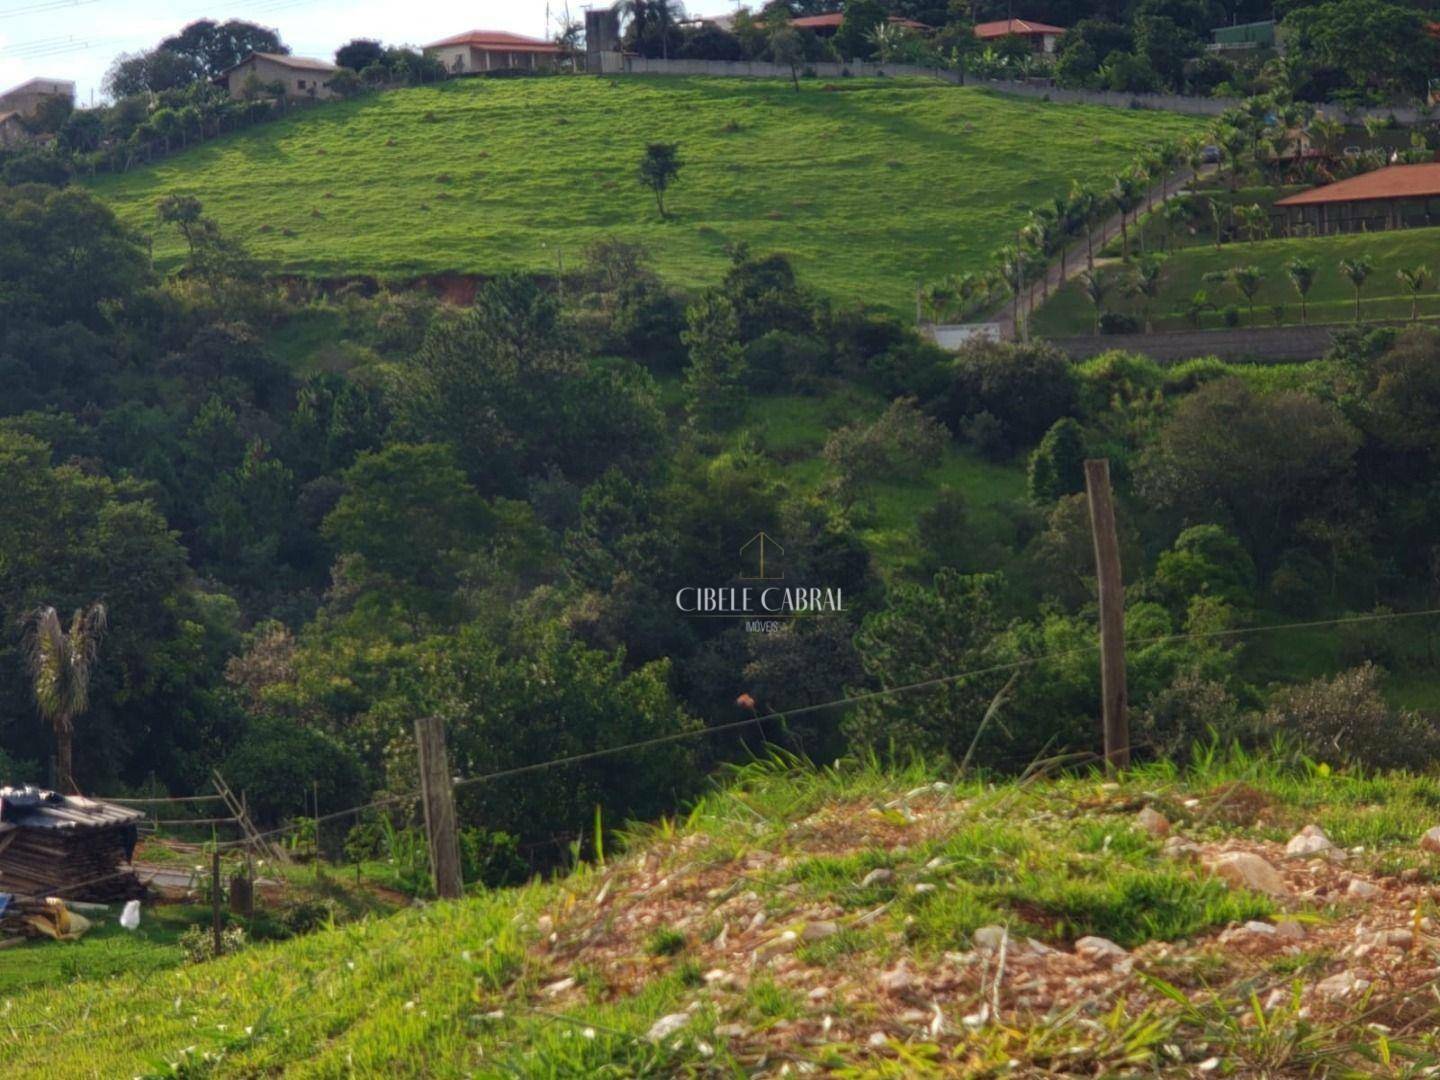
{"x": 491, "y": 858}
{"x": 1206, "y": 560}
{"x": 1191, "y": 711}
{"x": 1346, "y": 721}
{"x": 1057, "y": 467}
{"x": 198, "y": 942}
{"x": 1025, "y": 387}
{"x": 1118, "y": 322}
{"x": 942, "y": 529}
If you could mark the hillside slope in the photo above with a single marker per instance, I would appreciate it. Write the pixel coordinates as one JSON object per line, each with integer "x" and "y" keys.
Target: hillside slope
{"x": 886, "y": 924}
{"x": 870, "y": 185}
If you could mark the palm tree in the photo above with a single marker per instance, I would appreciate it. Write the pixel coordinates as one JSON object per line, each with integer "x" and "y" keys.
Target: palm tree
{"x": 1324, "y": 133}
{"x": 1096, "y": 289}
{"x": 60, "y": 664}
{"x": 1125, "y": 194}
{"x": 1175, "y": 213}
{"x": 1301, "y": 273}
{"x": 1415, "y": 280}
{"x": 1252, "y": 219}
{"x": 1245, "y": 280}
{"x": 1086, "y": 205}
{"x": 1145, "y": 282}
{"x": 1356, "y": 271}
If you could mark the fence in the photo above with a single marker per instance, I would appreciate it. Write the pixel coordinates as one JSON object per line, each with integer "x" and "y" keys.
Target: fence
{"x": 613, "y": 63}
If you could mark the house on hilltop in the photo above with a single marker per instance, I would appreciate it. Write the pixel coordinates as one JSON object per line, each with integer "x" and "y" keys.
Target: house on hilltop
{"x": 1042, "y": 37}
{"x": 828, "y": 25}
{"x": 25, "y": 100}
{"x": 302, "y": 77}
{"x": 477, "y": 51}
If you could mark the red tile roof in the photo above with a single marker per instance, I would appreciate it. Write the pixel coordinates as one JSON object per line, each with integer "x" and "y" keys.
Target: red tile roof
{"x": 1392, "y": 182}
{"x": 499, "y": 41}
{"x": 1005, "y": 27}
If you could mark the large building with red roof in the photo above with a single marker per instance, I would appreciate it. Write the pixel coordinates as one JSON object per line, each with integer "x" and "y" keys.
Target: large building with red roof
{"x": 1388, "y": 197}
{"x": 1042, "y": 37}
{"x": 493, "y": 50}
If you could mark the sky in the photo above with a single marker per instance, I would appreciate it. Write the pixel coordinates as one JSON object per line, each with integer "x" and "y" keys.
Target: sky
{"x": 77, "y": 39}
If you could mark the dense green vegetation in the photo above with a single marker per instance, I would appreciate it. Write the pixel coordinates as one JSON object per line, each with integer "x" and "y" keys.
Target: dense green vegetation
{"x": 480, "y": 987}
{"x": 868, "y": 186}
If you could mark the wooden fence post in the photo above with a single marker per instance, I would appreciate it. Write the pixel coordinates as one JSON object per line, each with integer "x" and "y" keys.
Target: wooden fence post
{"x": 216, "y": 896}
{"x": 1114, "y": 694}
{"x": 438, "y": 794}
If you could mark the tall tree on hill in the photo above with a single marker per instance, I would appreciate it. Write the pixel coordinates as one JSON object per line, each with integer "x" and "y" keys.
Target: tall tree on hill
{"x": 659, "y": 168}
{"x": 1301, "y": 273}
{"x": 854, "y": 40}
{"x": 359, "y": 53}
{"x": 1356, "y": 271}
{"x": 788, "y": 49}
{"x": 60, "y": 663}
{"x": 1414, "y": 279}
{"x": 216, "y": 47}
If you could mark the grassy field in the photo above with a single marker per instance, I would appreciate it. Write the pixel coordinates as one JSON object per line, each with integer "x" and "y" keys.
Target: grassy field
{"x": 759, "y": 928}
{"x": 1331, "y": 300}
{"x": 870, "y": 185}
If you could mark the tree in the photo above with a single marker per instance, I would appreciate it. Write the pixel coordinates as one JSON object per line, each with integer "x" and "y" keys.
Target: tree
{"x": 1125, "y": 193}
{"x": 1356, "y": 270}
{"x": 1301, "y": 273}
{"x": 359, "y": 53}
{"x": 60, "y": 663}
{"x": 214, "y": 47}
{"x": 1246, "y": 280}
{"x": 659, "y": 168}
{"x": 1145, "y": 282}
{"x": 714, "y": 380}
{"x": 1096, "y": 287}
{"x": 1057, "y": 467}
{"x": 854, "y": 40}
{"x": 787, "y": 48}
{"x": 1371, "y": 45}
{"x": 901, "y": 442}
{"x": 1415, "y": 280}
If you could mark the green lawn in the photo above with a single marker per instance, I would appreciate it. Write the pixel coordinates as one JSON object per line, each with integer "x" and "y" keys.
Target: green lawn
{"x": 1332, "y": 300}
{"x": 871, "y": 185}
{"x": 107, "y": 950}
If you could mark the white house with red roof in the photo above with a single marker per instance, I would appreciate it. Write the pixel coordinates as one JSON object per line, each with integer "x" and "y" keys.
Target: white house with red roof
{"x": 493, "y": 50}
{"x": 1042, "y": 37}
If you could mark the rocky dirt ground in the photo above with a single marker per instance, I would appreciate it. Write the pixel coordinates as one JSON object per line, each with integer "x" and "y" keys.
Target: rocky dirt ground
{"x": 1348, "y": 942}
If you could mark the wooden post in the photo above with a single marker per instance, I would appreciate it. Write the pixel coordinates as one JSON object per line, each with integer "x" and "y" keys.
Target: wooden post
{"x": 216, "y": 894}
{"x": 1112, "y": 614}
{"x": 438, "y": 794}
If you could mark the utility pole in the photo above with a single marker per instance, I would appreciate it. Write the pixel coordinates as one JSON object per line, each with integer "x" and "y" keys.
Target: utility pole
{"x": 437, "y": 791}
{"x": 1113, "y": 692}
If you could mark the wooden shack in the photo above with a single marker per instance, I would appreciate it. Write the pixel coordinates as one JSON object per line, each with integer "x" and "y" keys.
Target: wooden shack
{"x": 66, "y": 846}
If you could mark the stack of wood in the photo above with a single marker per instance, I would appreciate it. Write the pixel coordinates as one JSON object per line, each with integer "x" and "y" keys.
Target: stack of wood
{"x": 66, "y": 846}
{"x": 25, "y": 918}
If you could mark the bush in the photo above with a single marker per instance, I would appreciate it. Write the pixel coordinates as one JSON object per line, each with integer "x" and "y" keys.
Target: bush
{"x": 1117, "y": 322}
{"x": 782, "y": 359}
{"x": 1346, "y": 721}
{"x": 277, "y": 764}
{"x": 1057, "y": 467}
{"x": 1205, "y": 560}
{"x": 491, "y": 858}
{"x": 1191, "y": 711}
{"x": 198, "y": 942}
{"x": 1026, "y": 387}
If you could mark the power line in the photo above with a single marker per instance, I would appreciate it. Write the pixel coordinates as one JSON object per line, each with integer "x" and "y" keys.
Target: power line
{"x": 757, "y": 721}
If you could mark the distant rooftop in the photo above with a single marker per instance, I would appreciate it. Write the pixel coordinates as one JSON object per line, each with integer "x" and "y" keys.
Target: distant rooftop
{"x": 1006, "y": 27}
{"x": 833, "y": 20}
{"x": 42, "y": 86}
{"x": 499, "y": 40}
{"x": 299, "y": 63}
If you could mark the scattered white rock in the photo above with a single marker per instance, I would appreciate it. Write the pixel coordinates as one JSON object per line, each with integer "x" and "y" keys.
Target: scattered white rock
{"x": 1153, "y": 822}
{"x": 1310, "y": 842}
{"x": 1360, "y": 889}
{"x": 924, "y": 887}
{"x": 1341, "y": 985}
{"x": 559, "y": 987}
{"x": 877, "y": 1039}
{"x": 1264, "y": 928}
{"x": 731, "y": 1031}
{"x": 1177, "y": 847}
{"x": 1099, "y": 948}
{"x": 1246, "y": 870}
{"x": 897, "y": 980}
{"x": 667, "y": 1026}
{"x": 815, "y": 931}
{"x": 1431, "y": 840}
{"x": 819, "y": 993}
{"x": 1290, "y": 930}
{"x": 876, "y": 876}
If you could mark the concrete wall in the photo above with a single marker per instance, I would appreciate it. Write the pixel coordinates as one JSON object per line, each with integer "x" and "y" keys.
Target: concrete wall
{"x": 619, "y": 64}
{"x": 953, "y": 335}
{"x": 1274, "y": 343}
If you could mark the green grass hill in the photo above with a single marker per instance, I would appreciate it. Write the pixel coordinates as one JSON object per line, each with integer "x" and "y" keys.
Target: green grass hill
{"x": 871, "y": 185}
{"x": 853, "y": 921}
